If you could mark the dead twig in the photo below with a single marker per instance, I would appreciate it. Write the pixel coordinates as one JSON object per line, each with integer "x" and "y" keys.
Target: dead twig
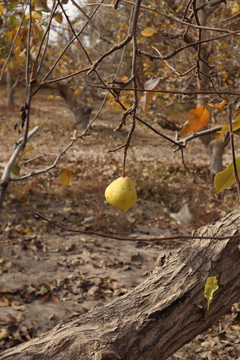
{"x": 235, "y": 171}
{"x": 7, "y": 170}
{"x": 123, "y": 238}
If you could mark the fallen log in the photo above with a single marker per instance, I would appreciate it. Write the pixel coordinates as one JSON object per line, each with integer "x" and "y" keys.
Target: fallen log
{"x": 160, "y": 315}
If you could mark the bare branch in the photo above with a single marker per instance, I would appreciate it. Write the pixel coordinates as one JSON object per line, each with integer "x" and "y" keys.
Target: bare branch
{"x": 90, "y": 21}
{"x": 204, "y": 92}
{"x": 63, "y": 52}
{"x": 12, "y": 46}
{"x": 181, "y": 48}
{"x": 168, "y": 16}
{"x": 7, "y": 170}
{"x": 113, "y": 49}
{"x": 134, "y": 76}
{"x": 194, "y": 135}
{"x": 48, "y": 168}
{"x": 235, "y": 171}
{"x": 48, "y": 82}
{"x": 121, "y": 238}
{"x": 46, "y": 33}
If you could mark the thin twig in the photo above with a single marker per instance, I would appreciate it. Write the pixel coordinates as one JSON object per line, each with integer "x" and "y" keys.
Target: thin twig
{"x": 183, "y": 161}
{"x": 90, "y": 22}
{"x": 46, "y": 33}
{"x": 168, "y": 16}
{"x": 24, "y": 162}
{"x": 48, "y": 168}
{"x": 235, "y": 171}
{"x": 186, "y": 9}
{"x": 27, "y": 80}
{"x": 12, "y": 46}
{"x": 48, "y": 82}
{"x": 181, "y": 48}
{"x": 117, "y": 148}
{"x": 182, "y": 92}
{"x": 85, "y": 132}
{"x": 121, "y": 238}
{"x": 134, "y": 77}
{"x": 63, "y": 52}
{"x": 109, "y": 52}
{"x": 171, "y": 67}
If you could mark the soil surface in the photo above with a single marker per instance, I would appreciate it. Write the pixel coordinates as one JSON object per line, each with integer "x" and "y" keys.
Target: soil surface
{"x": 49, "y": 274}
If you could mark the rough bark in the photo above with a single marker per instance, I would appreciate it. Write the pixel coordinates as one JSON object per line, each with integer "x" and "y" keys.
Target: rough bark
{"x": 160, "y": 315}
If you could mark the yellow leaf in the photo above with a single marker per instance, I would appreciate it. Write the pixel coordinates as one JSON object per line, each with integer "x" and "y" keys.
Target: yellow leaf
{"x": 210, "y": 287}
{"x": 77, "y": 91}
{"x": 235, "y": 126}
{"x": 235, "y": 328}
{"x": 217, "y": 135}
{"x": 235, "y": 8}
{"x": 29, "y": 148}
{"x": 58, "y": 17}
{"x": 148, "y": 32}
{"x": 65, "y": 175}
{"x": 197, "y": 118}
{"x": 1, "y": 10}
{"x": 41, "y": 5}
{"x": 27, "y": 231}
{"x": 237, "y": 116}
{"x": 37, "y": 31}
{"x": 35, "y": 16}
{"x": 226, "y": 178}
{"x": 9, "y": 35}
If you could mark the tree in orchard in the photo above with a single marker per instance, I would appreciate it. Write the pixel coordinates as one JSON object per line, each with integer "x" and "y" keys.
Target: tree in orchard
{"x": 12, "y": 33}
{"x": 169, "y": 308}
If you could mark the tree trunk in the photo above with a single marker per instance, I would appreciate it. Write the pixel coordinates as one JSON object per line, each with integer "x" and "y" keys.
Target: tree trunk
{"x": 81, "y": 111}
{"x": 10, "y": 89}
{"x": 216, "y": 150}
{"x": 215, "y": 147}
{"x": 160, "y": 315}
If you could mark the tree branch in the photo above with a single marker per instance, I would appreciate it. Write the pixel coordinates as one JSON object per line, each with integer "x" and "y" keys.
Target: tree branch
{"x": 160, "y": 315}
{"x": 7, "y": 170}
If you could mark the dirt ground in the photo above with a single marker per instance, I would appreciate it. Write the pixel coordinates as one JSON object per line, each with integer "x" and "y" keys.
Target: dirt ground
{"x": 48, "y": 275}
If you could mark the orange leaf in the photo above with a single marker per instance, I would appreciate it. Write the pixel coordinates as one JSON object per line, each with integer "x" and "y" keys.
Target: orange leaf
{"x": 197, "y": 118}
{"x": 184, "y": 130}
{"x": 221, "y": 105}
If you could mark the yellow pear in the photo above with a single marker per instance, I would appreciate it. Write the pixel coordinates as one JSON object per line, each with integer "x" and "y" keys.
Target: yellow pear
{"x": 121, "y": 193}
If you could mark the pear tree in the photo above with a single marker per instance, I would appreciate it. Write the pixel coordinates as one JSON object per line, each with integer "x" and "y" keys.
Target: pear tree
{"x": 155, "y": 57}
